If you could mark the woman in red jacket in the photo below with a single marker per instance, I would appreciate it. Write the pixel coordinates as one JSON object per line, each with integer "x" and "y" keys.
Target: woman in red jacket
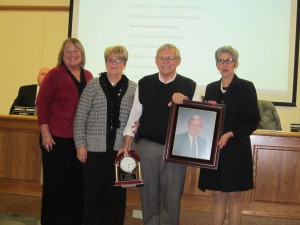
{"x": 57, "y": 102}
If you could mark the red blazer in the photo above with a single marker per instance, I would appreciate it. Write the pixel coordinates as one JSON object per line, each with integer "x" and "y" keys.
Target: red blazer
{"x": 57, "y": 101}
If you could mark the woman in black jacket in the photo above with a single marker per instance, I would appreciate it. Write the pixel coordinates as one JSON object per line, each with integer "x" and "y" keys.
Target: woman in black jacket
{"x": 235, "y": 168}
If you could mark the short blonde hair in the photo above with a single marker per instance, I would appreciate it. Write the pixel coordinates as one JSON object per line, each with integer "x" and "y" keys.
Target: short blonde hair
{"x": 118, "y": 50}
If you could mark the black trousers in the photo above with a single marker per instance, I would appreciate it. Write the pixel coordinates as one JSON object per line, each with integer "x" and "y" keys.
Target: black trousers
{"x": 63, "y": 190}
{"x": 104, "y": 204}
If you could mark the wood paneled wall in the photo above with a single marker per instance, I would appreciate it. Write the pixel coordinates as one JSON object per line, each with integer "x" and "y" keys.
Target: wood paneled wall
{"x": 274, "y": 200}
{"x": 20, "y": 165}
{"x": 31, "y": 37}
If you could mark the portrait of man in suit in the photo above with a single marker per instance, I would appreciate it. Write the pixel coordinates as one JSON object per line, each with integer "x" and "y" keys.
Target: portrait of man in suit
{"x": 190, "y": 143}
{"x": 27, "y": 94}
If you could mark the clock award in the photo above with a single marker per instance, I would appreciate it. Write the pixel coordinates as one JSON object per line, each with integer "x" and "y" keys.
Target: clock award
{"x": 128, "y": 170}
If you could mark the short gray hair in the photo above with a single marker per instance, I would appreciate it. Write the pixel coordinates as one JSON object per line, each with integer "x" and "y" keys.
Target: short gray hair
{"x": 195, "y": 117}
{"x": 168, "y": 46}
{"x": 227, "y": 49}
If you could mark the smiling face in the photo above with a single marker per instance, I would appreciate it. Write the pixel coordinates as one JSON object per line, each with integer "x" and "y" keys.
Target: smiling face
{"x": 167, "y": 62}
{"x": 194, "y": 127}
{"x": 226, "y": 65}
{"x": 72, "y": 56}
{"x": 115, "y": 65}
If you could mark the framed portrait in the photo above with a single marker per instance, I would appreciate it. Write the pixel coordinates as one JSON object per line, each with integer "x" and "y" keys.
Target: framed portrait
{"x": 193, "y": 134}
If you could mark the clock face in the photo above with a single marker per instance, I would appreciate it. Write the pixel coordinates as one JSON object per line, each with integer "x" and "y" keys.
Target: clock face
{"x": 127, "y": 164}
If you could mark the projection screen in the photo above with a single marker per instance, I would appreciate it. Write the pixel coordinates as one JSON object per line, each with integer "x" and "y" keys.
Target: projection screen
{"x": 265, "y": 33}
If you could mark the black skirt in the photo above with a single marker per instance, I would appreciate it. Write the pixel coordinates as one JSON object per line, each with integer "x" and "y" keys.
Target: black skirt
{"x": 235, "y": 169}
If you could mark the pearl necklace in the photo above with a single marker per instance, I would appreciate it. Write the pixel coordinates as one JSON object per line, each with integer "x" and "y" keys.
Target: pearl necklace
{"x": 221, "y": 88}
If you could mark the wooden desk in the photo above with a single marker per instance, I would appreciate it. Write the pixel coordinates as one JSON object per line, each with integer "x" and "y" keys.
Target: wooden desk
{"x": 275, "y": 199}
{"x": 20, "y": 165}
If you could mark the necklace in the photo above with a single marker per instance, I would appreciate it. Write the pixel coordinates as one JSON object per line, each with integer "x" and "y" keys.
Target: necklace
{"x": 222, "y": 89}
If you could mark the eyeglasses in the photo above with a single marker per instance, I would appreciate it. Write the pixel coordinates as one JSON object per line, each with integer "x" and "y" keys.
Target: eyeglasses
{"x": 225, "y": 61}
{"x": 111, "y": 60}
{"x": 168, "y": 59}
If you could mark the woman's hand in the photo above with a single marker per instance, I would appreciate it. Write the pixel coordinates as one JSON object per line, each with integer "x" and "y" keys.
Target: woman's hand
{"x": 47, "y": 141}
{"x": 212, "y": 102}
{"x": 82, "y": 154}
{"x": 224, "y": 139}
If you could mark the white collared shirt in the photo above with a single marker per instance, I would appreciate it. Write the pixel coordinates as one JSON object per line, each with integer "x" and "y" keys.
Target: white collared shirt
{"x": 137, "y": 107}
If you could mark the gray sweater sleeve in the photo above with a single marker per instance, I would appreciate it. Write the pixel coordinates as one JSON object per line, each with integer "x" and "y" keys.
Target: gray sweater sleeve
{"x": 80, "y": 122}
{"x": 91, "y": 117}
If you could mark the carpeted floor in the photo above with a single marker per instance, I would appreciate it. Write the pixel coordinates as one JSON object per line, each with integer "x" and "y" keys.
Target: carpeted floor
{"x": 15, "y": 219}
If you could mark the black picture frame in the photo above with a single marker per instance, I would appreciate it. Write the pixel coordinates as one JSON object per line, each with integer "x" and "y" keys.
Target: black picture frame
{"x": 178, "y": 149}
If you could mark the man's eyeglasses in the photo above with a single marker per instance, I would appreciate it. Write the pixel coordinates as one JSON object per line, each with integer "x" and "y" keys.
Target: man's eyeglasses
{"x": 225, "y": 61}
{"x": 111, "y": 60}
{"x": 168, "y": 59}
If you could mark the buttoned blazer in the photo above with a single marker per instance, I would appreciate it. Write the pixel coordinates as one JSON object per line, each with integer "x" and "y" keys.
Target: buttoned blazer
{"x": 182, "y": 146}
